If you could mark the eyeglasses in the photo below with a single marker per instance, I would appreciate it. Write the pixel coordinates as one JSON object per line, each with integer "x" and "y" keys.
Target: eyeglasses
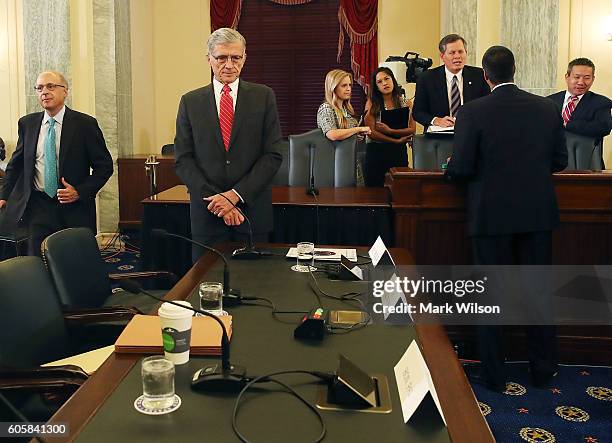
{"x": 223, "y": 59}
{"x": 49, "y": 86}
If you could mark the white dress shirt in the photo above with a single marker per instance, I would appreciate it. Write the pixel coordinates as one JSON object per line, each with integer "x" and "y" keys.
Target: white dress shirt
{"x": 449, "y": 84}
{"x": 39, "y": 163}
{"x": 501, "y": 84}
{"x": 567, "y": 99}
{"x": 218, "y": 86}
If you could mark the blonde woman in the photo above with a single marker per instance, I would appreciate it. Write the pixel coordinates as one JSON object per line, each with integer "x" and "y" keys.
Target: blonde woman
{"x": 336, "y": 116}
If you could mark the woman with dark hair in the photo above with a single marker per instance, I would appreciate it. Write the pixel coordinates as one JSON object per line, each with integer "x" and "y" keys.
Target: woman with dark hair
{"x": 386, "y": 146}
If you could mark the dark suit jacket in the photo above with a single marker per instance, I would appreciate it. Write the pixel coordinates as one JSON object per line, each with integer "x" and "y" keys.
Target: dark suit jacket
{"x": 501, "y": 148}
{"x": 431, "y": 98}
{"x": 248, "y": 167}
{"x": 591, "y": 117}
{"x": 82, "y": 147}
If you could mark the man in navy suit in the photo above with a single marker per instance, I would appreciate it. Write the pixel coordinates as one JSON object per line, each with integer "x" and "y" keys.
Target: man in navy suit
{"x": 584, "y": 112}
{"x": 440, "y": 92}
{"x": 227, "y": 148}
{"x": 59, "y": 165}
{"x": 511, "y": 211}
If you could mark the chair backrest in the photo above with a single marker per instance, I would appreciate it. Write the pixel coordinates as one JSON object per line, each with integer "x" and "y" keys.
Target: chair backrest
{"x": 282, "y": 175}
{"x": 583, "y": 153}
{"x": 168, "y": 149}
{"x": 334, "y": 162}
{"x": 34, "y": 330}
{"x": 430, "y": 152}
{"x": 76, "y": 267}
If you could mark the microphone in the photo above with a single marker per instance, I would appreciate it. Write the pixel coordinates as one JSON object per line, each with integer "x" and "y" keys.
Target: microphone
{"x": 230, "y": 378}
{"x": 312, "y": 189}
{"x": 231, "y": 297}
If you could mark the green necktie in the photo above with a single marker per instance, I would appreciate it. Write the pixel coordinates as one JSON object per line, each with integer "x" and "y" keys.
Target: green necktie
{"x": 50, "y": 161}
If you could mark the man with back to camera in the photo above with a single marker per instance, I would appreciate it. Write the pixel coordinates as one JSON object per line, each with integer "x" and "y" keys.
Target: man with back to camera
{"x": 441, "y": 91}
{"x": 512, "y": 209}
{"x": 227, "y": 147}
{"x": 48, "y": 180}
{"x": 583, "y": 112}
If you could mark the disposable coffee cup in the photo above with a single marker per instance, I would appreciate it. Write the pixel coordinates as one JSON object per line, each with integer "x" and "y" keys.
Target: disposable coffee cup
{"x": 176, "y": 331}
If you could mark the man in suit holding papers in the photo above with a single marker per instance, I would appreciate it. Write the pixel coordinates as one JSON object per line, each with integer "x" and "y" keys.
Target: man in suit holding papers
{"x": 441, "y": 92}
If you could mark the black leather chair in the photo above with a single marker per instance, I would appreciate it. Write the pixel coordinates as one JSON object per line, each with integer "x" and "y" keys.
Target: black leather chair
{"x": 81, "y": 277}
{"x": 584, "y": 153}
{"x": 36, "y": 331}
{"x": 282, "y": 175}
{"x": 168, "y": 149}
{"x": 430, "y": 152}
{"x": 334, "y": 162}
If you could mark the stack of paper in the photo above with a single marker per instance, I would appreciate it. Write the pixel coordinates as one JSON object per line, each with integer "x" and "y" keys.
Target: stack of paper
{"x": 142, "y": 335}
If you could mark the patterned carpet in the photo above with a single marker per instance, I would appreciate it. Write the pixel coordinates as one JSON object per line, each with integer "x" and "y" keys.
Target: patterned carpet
{"x": 577, "y": 407}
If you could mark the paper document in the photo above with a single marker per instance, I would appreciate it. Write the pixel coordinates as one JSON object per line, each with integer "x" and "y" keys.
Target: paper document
{"x": 88, "y": 361}
{"x": 433, "y": 129}
{"x": 328, "y": 254}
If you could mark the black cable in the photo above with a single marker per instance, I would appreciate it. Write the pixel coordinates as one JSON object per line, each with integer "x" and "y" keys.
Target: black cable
{"x": 275, "y": 311}
{"x": 268, "y": 378}
{"x": 348, "y": 297}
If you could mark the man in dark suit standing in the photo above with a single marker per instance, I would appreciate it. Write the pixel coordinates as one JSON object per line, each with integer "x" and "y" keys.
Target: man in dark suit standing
{"x": 584, "y": 112}
{"x": 227, "y": 147}
{"x": 512, "y": 209}
{"x": 48, "y": 180}
{"x": 440, "y": 92}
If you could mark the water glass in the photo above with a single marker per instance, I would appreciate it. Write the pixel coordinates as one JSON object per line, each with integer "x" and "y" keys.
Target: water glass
{"x": 304, "y": 257}
{"x": 157, "y": 382}
{"x": 211, "y": 297}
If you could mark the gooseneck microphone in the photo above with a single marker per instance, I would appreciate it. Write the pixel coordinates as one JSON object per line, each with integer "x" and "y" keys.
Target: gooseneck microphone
{"x": 312, "y": 189}
{"x": 230, "y": 378}
{"x": 229, "y": 295}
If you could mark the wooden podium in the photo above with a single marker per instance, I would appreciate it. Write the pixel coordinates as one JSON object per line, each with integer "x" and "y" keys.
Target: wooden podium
{"x": 429, "y": 217}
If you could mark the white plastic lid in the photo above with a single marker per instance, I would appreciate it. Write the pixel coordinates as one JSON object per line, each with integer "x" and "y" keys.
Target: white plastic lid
{"x": 171, "y": 311}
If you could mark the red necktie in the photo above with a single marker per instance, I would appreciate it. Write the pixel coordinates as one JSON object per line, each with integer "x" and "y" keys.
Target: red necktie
{"x": 226, "y": 115}
{"x": 569, "y": 108}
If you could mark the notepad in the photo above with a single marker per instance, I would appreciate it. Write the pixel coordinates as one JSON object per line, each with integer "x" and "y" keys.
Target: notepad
{"x": 142, "y": 335}
{"x": 395, "y": 118}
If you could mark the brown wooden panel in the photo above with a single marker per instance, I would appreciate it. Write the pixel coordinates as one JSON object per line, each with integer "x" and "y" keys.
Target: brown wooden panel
{"x": 134, "y": 185}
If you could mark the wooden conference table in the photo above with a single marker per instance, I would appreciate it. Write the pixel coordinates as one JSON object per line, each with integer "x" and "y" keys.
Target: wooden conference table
{"x": 102, "y": 409}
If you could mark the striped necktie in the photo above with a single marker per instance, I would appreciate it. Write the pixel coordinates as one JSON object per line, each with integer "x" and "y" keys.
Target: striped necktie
{"x": 569, "y": 109}
{"x": 455, "y": 97}
{"x": 50, "y": 161}
{"x": 226, "y": 115}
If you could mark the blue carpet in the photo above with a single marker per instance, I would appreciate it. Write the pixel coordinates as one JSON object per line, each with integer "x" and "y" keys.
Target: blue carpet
{"x": 121, "y": 255}
{"x": 577, "y": 407}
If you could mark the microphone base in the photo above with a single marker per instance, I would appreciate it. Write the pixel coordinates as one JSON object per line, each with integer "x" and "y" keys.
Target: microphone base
{"x": 213, "y": 378}
{"x": 247, "y": 253}
{"x": 312, "y": 191}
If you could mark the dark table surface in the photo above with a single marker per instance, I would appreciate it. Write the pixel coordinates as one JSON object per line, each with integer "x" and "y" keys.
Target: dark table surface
{"x": 103, "y": 408}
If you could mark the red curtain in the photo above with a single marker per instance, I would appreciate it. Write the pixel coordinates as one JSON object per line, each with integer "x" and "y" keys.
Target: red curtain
{"x": 359, "y": 19}
{"x": 224, "y": 14}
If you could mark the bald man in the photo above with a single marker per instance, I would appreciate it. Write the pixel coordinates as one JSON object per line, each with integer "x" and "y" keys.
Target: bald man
{"x": 59, "y": 165}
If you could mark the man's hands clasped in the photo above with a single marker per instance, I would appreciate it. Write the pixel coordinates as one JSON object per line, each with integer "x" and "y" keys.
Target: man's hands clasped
{"x": 221, "y": 207}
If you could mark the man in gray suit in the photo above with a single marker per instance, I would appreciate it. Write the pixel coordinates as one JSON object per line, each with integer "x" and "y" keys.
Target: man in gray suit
{"x": 226, "y": 148}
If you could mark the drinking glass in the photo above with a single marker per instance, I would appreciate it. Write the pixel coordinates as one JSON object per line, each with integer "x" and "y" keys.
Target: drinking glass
{"x": 157, "y": 382}
{"x": 304, "y": 257}
{"x": 211, "y": 297}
